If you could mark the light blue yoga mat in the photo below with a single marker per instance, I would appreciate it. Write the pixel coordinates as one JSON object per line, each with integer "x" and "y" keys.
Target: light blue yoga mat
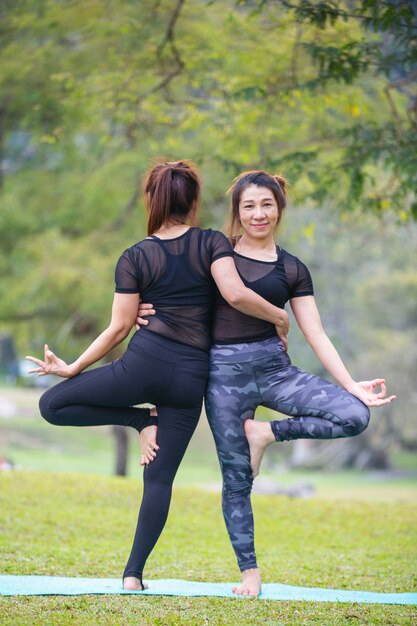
{"x": 57, "y": 585}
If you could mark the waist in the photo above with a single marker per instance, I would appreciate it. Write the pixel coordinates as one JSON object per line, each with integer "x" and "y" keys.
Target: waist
{"x": 231, "y": 326}
{"x": 249, "y": 351}
{"x": 167, "y": 348}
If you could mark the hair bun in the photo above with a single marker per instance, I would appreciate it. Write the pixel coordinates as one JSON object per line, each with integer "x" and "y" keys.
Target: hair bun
{"x": 281, "y": 181}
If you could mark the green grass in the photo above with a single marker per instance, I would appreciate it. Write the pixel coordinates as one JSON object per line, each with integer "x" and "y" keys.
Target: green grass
{"x": 82, "y": 525}
{"x": 32, "y": 443}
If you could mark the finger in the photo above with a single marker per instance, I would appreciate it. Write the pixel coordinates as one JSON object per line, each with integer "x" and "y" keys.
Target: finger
{"x": 146, "y": 307}
{"x": 388, "y": 400}
{"x": 284, "y": 341}
{"x": 377, "y": 381}
{"x": 53, "y": 357}
{"x": 384, "y": 388}
{"x": 35, "y": 360}
{"x": 35, "y": 371}
{"x": 380, "y": 383}
{"x": 141, "y": 322}
{"x": 383, "y": 402}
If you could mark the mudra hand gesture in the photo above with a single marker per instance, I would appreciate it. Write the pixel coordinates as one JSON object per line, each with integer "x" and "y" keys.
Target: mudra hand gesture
{"x": 365, "y": 391}
{"x": 51, "y": 365}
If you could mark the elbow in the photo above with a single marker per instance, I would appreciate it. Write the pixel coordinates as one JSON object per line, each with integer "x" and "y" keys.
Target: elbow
{"x": 236, "y": 296}
{"x": 124, "y": 332}
{"x": 120, "y": 332}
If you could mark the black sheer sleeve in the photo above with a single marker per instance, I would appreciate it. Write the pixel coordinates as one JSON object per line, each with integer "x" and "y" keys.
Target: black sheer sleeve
{"x": 219, "y": 246}
{"x": 304, "y": 284}
{"x": 298, "y": 276}
{"x": 126, "y": 274}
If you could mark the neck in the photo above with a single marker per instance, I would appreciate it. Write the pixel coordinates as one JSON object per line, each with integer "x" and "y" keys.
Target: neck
{"x": 252, "y": 243}
{"x": 260, "y": 249}
{"x": 172, "y": 229}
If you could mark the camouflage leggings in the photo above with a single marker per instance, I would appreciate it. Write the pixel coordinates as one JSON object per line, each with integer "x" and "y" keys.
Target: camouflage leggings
{"x": 245, "y": 376}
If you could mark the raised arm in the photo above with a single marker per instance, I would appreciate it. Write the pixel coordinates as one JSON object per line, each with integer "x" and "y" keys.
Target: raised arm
{"x": 233, "y": 290}
{"x": 309, "y": 321}
{"x": 123, "y": 316}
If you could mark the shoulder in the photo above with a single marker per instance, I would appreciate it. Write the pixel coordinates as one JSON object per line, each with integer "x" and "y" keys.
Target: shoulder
{"x": 290, "y": 259}
{"x": 140, "y": 246}
{"x": 214, "y": 237}
{"x": 210, "y": 233}
{"x": 134, "y": 253}
{"x": 298, "y": 275}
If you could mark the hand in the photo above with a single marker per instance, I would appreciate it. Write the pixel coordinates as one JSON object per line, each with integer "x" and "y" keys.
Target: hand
{"x": 282, "y": 328}
{"x": 51, "y": 365}
{"x": 143, "y": 311}
{"x": 365, "y": 391}
{"x": 148, "y": 444}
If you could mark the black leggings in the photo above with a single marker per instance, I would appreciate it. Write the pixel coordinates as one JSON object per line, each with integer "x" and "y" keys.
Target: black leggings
{"x": 156, "y": 370}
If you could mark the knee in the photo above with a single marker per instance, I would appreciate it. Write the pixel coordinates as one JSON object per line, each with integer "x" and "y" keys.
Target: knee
{"x": 236, "y": 486}
{"x": 46, "y": 409}
{"x": 359, "y": 419}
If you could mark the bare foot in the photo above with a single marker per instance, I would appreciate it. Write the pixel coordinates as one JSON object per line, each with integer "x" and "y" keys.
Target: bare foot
{"x": 148, "y": 445}
{"x": 250, "y": 585}
{"x": 259, "y": 436}
{"x": 130, "y": 583}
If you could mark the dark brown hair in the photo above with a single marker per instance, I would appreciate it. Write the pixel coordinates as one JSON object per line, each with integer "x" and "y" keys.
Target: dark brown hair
{"x": 172, "y": 193}
{"x": 275, "y": 182}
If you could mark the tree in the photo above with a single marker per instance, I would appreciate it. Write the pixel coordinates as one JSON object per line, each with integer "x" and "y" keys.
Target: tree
{"x": 372, "y": 44}
{"x": 92, "y": 90}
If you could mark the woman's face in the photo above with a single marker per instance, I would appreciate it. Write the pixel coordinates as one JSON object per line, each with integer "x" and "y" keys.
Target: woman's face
{"x": 258, "y": 212}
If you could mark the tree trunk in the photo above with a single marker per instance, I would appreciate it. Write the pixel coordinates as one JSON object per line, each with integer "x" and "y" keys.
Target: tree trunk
{"x": 122, "y": 446}
{"x": 2, "y": 140}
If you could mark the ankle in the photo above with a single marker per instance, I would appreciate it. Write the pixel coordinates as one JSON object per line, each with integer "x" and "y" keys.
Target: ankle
{"x": 133, "y": 583}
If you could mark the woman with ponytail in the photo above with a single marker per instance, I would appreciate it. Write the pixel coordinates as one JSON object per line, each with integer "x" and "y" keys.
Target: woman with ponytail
{"x": 166, "y": 364}
{"x": 250, "y": 367}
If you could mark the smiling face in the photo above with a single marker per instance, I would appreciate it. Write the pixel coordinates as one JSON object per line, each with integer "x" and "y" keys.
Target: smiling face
{"x": 258, "y": 212}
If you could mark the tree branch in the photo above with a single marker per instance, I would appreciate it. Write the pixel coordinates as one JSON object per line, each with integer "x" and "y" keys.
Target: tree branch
{"x": 125, "y": 213}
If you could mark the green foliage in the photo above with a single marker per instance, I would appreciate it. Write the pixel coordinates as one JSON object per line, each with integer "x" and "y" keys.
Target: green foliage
{"x": 93, "y": 90}
{"x": 82, "y": 526}
{"x": 372, "y": 44}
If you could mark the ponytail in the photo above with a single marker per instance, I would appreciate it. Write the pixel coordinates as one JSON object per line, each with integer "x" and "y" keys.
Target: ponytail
{"x": 172, "y": 193}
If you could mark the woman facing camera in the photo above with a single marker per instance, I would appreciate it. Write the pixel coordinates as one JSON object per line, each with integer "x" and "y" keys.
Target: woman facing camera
{"x": 250, "y": 367}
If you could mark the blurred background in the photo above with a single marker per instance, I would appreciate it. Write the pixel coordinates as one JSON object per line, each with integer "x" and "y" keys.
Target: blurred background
{"x": 323, "y": 92}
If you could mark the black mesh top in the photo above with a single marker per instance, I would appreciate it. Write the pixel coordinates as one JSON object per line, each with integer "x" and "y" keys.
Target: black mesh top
{"x": 276, "y": 281}
{"x": 174, "y": 275}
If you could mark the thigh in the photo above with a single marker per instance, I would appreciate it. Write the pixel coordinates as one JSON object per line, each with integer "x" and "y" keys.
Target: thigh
{"x": 188, "y": 383}
{"x": 297, "y": 393}
{"x": 112, "y": 385}
{"x": 231, "y": 398}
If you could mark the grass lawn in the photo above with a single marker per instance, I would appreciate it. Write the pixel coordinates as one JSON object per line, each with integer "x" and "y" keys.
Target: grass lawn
{"x": 31, "y": 443}
{"x": 82, "y": 525}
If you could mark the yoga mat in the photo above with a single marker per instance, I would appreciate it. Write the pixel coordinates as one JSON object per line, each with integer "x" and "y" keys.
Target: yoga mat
{"x": 57, "y": 585}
